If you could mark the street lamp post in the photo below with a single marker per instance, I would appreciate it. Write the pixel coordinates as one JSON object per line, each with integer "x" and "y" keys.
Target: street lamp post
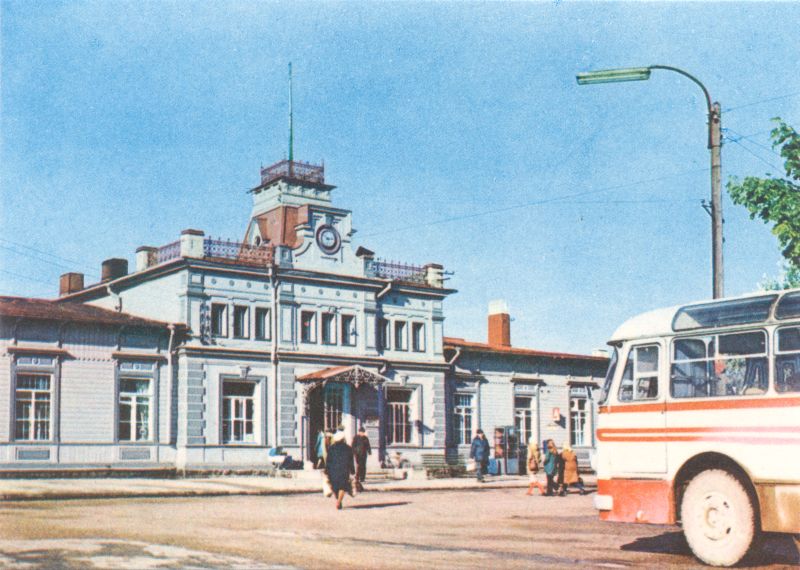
{"x": 714, "y": 144}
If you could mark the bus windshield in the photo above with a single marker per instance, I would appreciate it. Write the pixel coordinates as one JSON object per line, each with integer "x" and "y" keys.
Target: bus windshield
{"x": 612, "y": 367}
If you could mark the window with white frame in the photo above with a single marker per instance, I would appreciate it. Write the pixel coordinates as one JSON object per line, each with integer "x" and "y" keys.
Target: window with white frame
{"x": 523, "y": 418}
{"x": 640, "y": 376}
{"x": 328, "y": 328}
{"x": 462, "y": 418}
{"x": 241, "y": 322}
{"x": 219, "y": 319}
{"x": 263, "y": 324}
{"x": 400, "y": 336}
{"x": 308, "y": 326}
{"x": 580, "y": 416}
{"x": 238, "y": 412}
{"x": 418, "y": 337}
{"x": 398, "y": 417}
{"x": 134, "y": 407}
{"x": 348, "y": 330}
{"x": 32, "y": 397}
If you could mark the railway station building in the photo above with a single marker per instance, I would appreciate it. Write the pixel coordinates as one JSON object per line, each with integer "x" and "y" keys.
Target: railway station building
{"x": 211, "y": 353}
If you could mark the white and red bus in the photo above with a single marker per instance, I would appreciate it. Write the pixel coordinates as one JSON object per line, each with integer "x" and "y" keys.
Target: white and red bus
{"x": 699, "y": 422}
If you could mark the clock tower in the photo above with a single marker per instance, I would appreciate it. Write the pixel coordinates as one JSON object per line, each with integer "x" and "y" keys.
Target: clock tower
{"x": 293, "y": 211}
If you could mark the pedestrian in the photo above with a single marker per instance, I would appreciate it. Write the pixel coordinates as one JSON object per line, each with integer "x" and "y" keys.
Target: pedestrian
{"x": 570, "y": 461}
{"x": 361, "y": 449}
{"x": 339, "y": 467}
{"x": 321, "y": 449}
{"x": 551, "y": 464}
{"x": 479, "y": 451}
{"x": 534, "y": 459}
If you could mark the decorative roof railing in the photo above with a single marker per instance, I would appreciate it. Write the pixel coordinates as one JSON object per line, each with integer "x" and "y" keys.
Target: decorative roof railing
{"x": 167, "y": 252}
{"x": 237, "y": 251}
{"x": 304, "y": 171}
{"x": 396, "y": 271}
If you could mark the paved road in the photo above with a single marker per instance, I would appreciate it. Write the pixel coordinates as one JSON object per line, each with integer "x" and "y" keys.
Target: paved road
{"x": 497, "y": 528}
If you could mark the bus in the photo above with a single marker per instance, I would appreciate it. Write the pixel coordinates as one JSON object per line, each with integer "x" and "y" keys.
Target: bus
{"x": 698, "y": 423}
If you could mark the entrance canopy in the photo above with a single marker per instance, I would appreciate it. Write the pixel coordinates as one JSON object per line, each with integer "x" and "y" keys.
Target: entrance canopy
{"x": 354, "y": 375}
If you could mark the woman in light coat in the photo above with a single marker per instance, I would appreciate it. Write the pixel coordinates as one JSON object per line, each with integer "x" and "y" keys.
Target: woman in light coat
{"x": 534, "y": 460}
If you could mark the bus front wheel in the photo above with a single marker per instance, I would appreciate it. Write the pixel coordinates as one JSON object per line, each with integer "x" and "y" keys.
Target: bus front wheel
{"x": 718, "y": 518}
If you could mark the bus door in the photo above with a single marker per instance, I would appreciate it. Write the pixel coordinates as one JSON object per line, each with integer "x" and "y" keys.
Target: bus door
{"x": 634, "y": 428}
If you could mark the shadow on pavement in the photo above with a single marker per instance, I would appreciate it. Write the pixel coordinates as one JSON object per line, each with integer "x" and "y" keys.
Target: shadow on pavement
{"x": 380, "y": 505}
{"x": 667, "y": 543}
{"x": 773, "y": 548}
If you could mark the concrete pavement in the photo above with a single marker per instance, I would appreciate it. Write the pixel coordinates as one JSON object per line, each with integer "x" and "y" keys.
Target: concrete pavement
{"x": 290, "y": 483}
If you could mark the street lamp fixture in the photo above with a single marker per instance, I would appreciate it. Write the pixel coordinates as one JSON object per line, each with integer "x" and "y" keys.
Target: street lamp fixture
{"x": 714, "y": 144}
{"x": 614, "y": 75}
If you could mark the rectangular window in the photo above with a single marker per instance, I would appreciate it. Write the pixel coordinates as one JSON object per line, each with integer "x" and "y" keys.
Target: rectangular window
{"x": 328, "y": 328}
{"x": 732, "y": 364}
{"x": 523, "y": 418}
{"x": 241, "y": 322}
{"x": 462, "y": 418}
{"x": 418, "y": 337}
{"x": 787, "y": 361}
{"x": 219, "y": 320}
{"x": 348, "y": 330}
{"x": 640, "y": 376}
{"x": 32, "y": 404}
{"x": 134, "y": 409}
{"x": 398, "y": 417}
{"x": 400, "y": 336}
{"x": 263, "y": 324}
{"x": 238, "y": 412}
{"x": 308, "y": 326}
{"x": 580, "y": 419}
{"x": 383, "y": 334}
{"x": 332, "y": 406}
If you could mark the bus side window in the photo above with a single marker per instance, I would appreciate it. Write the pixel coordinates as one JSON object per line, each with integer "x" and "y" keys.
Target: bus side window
{"x": 787, "y": 360}
{"x": 640, "y": 377}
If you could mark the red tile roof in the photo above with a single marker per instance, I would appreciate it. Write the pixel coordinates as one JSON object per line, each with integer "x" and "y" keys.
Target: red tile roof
{"x": 452, "y": 342}
{"x": 72, "y": 312}
{"x": 325, "y": 373}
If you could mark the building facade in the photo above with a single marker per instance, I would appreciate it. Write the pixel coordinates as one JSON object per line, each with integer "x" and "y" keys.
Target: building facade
{"x": 269, "y": 340}
{"x": 525, "y": 393}
{"x": 84, "y": 387}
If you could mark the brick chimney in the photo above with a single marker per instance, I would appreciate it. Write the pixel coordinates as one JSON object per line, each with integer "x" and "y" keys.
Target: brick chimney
{"x": 70, "y": 283}
{"x": 499, "y": 324}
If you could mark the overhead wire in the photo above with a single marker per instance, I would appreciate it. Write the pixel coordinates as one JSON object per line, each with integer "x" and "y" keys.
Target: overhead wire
{"x": 753, "y": 103}
{"x": 534, "y": 203}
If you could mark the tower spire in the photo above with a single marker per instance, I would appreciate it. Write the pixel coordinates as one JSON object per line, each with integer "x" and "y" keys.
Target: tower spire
{"x": 291, "y": 125}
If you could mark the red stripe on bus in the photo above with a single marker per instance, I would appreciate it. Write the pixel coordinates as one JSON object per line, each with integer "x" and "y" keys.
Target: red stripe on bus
{"x": 688, "y": 438}
{"x": 721, "y": 404}
{"x": 763, "y": 429}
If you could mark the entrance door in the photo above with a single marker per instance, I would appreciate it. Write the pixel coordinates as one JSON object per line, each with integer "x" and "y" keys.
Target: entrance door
{"x": 523, "y": 423}
{"x": 326, "y": 408}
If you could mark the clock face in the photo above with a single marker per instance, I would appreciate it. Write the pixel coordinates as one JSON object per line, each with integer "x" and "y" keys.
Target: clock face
{"x": 328, "y": 239}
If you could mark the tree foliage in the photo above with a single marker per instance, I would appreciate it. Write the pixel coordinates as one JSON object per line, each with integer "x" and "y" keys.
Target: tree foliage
{"x": 776, "y": 199}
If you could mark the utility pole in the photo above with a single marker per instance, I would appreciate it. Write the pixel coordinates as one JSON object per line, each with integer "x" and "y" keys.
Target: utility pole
{"x": 714, "y": 144}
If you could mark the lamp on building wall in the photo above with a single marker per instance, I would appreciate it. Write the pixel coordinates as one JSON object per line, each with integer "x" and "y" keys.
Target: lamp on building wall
{"x": 244, "y": 371}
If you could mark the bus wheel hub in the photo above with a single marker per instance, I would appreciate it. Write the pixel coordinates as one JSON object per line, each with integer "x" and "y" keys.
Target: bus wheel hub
{"x": 717, "y": 517}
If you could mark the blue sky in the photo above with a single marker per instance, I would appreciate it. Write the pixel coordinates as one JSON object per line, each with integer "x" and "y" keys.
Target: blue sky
{"x": 454, "y": 131}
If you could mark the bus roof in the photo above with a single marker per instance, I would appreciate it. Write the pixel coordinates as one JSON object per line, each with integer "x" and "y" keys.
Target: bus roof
{"x": 750, "y": 308}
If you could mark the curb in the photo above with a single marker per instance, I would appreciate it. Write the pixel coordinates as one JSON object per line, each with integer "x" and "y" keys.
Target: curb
{"x": 77, "y": 495}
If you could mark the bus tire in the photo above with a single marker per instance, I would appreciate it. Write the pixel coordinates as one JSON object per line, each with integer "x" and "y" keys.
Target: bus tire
{"x": 718, "y": 516}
